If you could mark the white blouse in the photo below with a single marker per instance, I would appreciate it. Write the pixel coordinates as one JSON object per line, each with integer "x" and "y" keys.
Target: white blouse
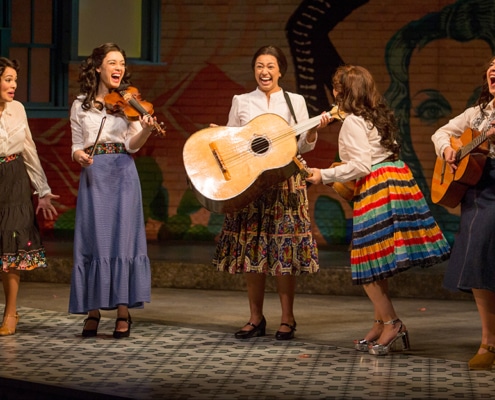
{"x": 471, "y": 118}
{"x": 86, "y": 124}
{"x": 250, "y": 105}
{"x": 16, "y": 138}
{"x": 359, "y": 149}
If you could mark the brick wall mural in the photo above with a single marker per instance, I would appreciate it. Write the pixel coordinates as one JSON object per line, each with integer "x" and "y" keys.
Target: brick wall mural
{"x": 427, "y": 57}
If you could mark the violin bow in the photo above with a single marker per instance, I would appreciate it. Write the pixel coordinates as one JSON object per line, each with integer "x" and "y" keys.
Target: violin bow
{"x": 97, "y": 137}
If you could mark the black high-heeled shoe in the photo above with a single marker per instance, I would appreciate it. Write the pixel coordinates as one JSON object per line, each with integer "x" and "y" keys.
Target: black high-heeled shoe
{"x": 91, "y": 332}
{"x": 258, "y": 330}
{"x": 286, "y": 335}
{"x": 123, "y": 334}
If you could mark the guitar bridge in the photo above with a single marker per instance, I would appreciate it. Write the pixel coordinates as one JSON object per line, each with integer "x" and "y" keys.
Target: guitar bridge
{"x": 219, "y": 160}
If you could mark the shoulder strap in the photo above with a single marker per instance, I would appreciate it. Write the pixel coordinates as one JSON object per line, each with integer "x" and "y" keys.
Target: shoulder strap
{"x": 287, "y": 99}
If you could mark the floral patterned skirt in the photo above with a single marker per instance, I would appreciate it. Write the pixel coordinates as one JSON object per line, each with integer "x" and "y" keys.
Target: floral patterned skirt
{"x": 272, "y": 235}
{"x": 20, "y": 242}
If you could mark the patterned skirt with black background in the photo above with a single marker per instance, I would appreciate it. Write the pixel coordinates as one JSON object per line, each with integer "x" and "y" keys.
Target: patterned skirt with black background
{"x": 272, "y": 235}
{"x": 20, "y": 242}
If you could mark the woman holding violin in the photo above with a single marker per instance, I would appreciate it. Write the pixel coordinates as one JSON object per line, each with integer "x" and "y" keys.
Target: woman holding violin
{"x": 111, "y": 266}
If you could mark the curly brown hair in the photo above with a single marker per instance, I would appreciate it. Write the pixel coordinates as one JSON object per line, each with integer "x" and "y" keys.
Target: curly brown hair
{"x": 356, "y": 93}
{"x": 89, "y": 78}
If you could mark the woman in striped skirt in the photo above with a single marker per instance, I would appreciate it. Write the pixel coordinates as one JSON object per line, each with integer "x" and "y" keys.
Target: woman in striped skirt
{"x": 111, "y": 264}
{"x": 393, "y": 229}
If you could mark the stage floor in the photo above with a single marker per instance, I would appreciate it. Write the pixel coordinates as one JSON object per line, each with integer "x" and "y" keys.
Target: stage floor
{"x": 182, "y": 347}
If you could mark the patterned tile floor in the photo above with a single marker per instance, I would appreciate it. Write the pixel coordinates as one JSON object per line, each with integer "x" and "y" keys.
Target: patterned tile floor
{"x": 48, "y": 359}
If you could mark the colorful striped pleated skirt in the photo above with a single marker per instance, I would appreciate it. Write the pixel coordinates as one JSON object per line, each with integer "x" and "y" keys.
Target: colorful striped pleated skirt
{"x": 393, "y": 228}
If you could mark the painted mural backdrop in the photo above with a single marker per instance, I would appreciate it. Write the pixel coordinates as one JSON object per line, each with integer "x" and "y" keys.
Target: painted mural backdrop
{"x": 317, "y": 47}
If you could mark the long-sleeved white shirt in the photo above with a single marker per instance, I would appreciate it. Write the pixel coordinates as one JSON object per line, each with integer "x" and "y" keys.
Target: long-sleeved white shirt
{"x": 359, "y": 149}
{"x": 250, "y": 105}
{"x": 86, "y": 124}
{"x": 16, "y": 138}
{"x": 471, "y": 118}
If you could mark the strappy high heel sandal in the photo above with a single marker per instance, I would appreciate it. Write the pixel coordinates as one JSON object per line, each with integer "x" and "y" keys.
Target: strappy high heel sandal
{"x": 258, "y": 330}
{"x": 91, "y": 332}
{"x": 363, "y": 344}
{"x": 399, "y": 343}
{"x": 4, "y": 329}
{"x": 483, "y": 362}
{"x": 119, "y": 334}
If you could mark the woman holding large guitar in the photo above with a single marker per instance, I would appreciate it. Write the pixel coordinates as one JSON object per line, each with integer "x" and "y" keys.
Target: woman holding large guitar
{"x": 472, "y": 264}
{"x": 393, "y": 229}
{"x": 272, "y": 234}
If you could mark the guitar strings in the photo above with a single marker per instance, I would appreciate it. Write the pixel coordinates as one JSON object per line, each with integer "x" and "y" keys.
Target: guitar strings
{"x": 231, "y": 156}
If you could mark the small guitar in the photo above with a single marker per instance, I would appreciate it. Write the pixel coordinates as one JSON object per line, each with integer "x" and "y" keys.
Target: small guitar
{"x": 229, "y": 167}
{"x": 343, "y": 189}
{"x": 448, "y": 188}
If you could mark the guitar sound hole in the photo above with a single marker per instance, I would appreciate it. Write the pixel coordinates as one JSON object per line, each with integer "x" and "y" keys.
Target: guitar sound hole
{"x": 260, "y": 145}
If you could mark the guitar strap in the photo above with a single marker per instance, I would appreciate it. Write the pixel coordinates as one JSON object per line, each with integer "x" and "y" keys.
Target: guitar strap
{"x": 289, "y": 103}
{"x": 291, "y": 181}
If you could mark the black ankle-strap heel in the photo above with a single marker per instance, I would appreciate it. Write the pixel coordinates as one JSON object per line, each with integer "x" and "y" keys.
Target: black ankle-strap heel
{"x": 119, "y": 334}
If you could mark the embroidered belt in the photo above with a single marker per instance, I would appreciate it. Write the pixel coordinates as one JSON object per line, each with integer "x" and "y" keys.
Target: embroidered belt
{"x": 107, "y": 148}
{"x": 10, "y": 158}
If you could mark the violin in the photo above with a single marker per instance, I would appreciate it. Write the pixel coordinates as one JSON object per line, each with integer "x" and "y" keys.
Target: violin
{"x": 129, "y": 102}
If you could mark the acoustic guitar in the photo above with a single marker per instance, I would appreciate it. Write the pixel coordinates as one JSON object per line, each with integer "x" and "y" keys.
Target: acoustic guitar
{"x": 229, "y": 167}
{"x": 448, "y": 188}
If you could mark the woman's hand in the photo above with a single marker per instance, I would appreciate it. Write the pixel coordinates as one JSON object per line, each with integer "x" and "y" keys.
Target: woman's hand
{"x": 82, "y": 158}
{"x": 147, "y": 122}
{"x": 45, "y": 204}
{"x": 325, "y": 120}
{"x": 449, "y": 156}
{"x": 315, "y": 177}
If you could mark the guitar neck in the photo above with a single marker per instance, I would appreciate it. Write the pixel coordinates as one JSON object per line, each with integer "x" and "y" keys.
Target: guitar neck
{"x": 306, "y": 125}
{"x": 476, "y": 142}
{"x": 335, "y": 112}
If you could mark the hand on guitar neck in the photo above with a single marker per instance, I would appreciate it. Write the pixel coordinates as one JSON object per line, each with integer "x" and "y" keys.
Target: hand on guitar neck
{"x": 465, "y": 158}
{"x": 452, "y": 156}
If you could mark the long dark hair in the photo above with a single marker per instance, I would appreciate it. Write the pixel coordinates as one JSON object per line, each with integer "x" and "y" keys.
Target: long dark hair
{"x": 275, "y": 52}
{"x": 358, "y": 94}
{"x": 6, "y": 62}
{"x": 89, "y": 78}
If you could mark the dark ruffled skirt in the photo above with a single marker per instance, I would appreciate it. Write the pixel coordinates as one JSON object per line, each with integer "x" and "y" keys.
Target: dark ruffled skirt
{"x": 20, "y": 243}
